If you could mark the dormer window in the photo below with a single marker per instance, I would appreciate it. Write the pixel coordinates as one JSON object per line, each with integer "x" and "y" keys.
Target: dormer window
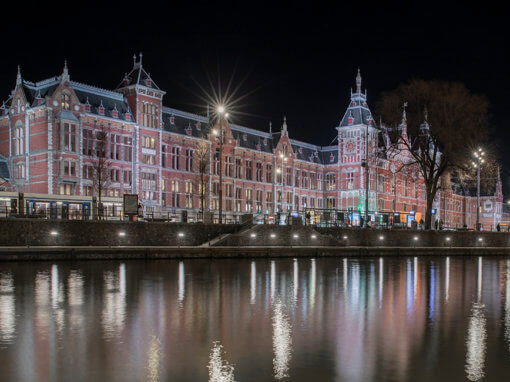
{"x": 331, "y": 158}
{"x": 350, "y": 120}
{"x": 258, "y": 146}
{"x": 87, "y": 108}
{"x": 100, "y": 109}
{"x": 245, "y": 137}
{"x": 199, "y": 126}
{"x": 148, "y": 82}
{"x": 66, "y": 101}
{"x": 115, "y": 113}
{"x": 188, "y": 130}
{"x": 265, "y": 141}
{"x": 172, "y": 120}
{"x": 301, "y": 150}
{"x": 127, "y": 116}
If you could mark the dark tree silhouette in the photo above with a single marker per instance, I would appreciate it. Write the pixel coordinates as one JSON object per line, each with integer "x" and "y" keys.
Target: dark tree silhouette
{"x": 445, "y": 122}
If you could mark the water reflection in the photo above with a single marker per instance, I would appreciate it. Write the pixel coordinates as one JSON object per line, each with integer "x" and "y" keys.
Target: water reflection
{"x": 219, "y": 369}
{"x": 507, "y": 303}
{"x": 7, "y": 309}
{"x": 477, "y": 333}
{"x": 476, "y": 343}
{"x": 282, "y": 341}
{"x": 154, "y": 360}
{"x": 114, "y": 302}
{"x": 181, "y": 283}
{"x": 325, "y": 319}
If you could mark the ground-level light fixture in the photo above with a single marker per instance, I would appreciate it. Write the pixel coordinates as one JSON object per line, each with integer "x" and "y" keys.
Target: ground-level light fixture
{"x": 480, "y": 239}
{"x": 416, "y": 238}
{"x": 345, "y": 237}
{"x": 314, "y": 236}
{"x": 295, "y": 236}
{"x": 122, "y": 233}
{"x": 253, "y": 235}
{"x": 381, "y": 237}
{"x": 448, "y": 238}
{"x": 273, "y": 236}
{"x": 53, "y": 233}
{"x": 180, "y": 234}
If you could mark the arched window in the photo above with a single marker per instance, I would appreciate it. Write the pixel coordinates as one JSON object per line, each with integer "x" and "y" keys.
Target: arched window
{"x": 66, "y": 101}
{"x": 19, "y": 140}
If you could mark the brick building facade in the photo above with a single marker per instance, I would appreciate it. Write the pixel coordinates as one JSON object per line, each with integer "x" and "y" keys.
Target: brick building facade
{"x": 49, "y": 134}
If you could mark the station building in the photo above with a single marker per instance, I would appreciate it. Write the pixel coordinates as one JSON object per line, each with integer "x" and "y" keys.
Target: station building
{"x": 50, "y": 140}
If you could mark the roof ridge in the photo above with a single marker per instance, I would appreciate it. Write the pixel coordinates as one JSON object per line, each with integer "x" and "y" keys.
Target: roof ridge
{"x": 97, "y": 90}
{"x": 245, "y": 129}
{"x": 182, "y": 113}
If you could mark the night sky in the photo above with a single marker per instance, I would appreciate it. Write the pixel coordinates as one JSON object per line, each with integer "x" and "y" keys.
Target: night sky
{"x": 298, "y": 61}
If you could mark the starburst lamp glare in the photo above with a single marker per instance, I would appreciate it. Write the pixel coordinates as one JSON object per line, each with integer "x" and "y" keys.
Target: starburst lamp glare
{"x": 221, "y": 109}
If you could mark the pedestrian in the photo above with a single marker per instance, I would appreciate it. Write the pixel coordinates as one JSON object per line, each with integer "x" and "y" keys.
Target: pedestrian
{"x": 436, "y": 224}
{"x": 414, "y": 224}
{"x": 440, "y": 225}
{"x": 498, "y": 228}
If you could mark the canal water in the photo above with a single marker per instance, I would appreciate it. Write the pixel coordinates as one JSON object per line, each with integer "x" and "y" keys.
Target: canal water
{"x": 324, "y": 319}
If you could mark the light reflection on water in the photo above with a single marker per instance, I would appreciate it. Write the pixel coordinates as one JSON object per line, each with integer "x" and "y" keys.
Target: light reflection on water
{"x": 219, "y": 369}
{"x": 7, "y": 309}
{"x": 282, "y": 341}
{"x": 326, "y": 319}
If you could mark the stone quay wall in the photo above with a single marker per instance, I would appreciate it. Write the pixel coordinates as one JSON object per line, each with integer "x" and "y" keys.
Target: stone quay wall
{"x": 415, "y": 238}
{"x": 30, "y": 232}
{"x": 274, "y": 235}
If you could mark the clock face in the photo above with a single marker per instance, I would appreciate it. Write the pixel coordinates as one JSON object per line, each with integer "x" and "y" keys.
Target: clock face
{"x": 350, "y": 146}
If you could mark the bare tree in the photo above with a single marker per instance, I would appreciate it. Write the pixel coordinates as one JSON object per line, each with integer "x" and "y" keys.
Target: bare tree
{"x": 202, "y": 159}
{"x": 444, "y": 122}
{"x": 101, "y": 164}
{"x": 466, "y": 178}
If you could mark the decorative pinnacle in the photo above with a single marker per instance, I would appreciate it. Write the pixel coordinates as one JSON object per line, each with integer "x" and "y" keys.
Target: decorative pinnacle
{"x": 65, "y": 72}
{"x": 404, "y": 114}
{"x": 358, "y": 82}
{"x": 141, "y": 56}
{"x": 270, "y": 127}
{"x": 18, "y": 76}
{"x": 426, "y": 113}
{"x": 134, "y": 59}
{"x": 284, "y": 126}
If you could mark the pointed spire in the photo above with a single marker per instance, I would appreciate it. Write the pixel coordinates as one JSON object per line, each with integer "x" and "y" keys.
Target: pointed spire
{"x": 284, "y": 126}
{"x": 140, "y": 61}
{"x": 134, "y": 60}
{"x": 424, "y": 127}
{"x": 404, "y": 114}
{"x": 18, "y": 76}
{"x": 358, "y": 82}
{"x": 65, "y": 72}
{"x": 270, "y": 127}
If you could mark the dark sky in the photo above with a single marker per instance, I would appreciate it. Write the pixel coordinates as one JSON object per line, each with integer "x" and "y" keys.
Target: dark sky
{"x": 298, "y": 61}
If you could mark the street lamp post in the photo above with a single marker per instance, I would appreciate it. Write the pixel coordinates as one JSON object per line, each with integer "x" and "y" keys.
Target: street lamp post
{"x": 479, "y": 158}
{"x": 367, "y": 176}
{"x": 221, "y": 111}
{"x": 280, "y": 171}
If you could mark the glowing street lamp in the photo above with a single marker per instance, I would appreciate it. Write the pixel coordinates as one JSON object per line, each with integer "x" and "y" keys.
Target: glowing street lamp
{"x": 221, "y": 113}
{"x": 479, "y": 160}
